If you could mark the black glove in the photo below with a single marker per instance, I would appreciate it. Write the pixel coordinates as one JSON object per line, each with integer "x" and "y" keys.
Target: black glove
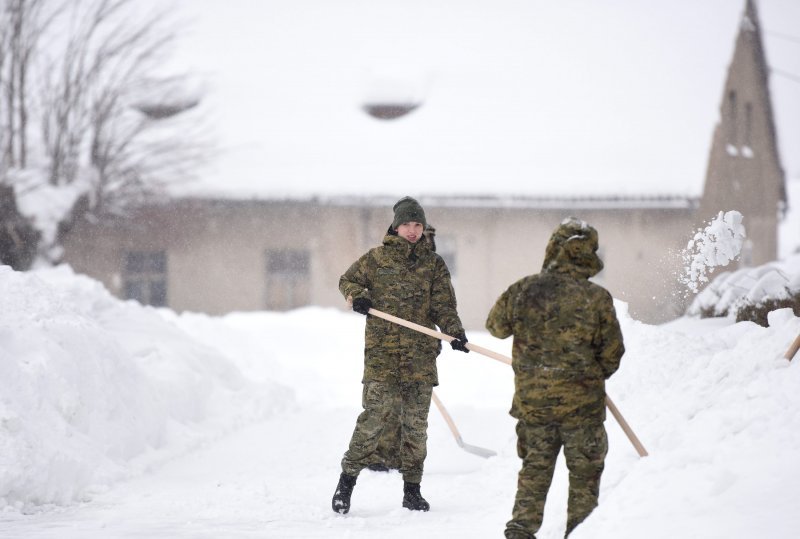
{"x": 362, "y": 305}
{"x": 459, "y": 343}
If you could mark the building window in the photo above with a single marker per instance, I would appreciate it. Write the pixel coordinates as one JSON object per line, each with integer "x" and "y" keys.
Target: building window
{"x": 389, "y": 111}
{"x": 748, "y": 125}
{"x": 446, "y": 248}
{"x": 145, "y": 277}
{"x": 732, "y": 119}
{"x": 288, "y": 278}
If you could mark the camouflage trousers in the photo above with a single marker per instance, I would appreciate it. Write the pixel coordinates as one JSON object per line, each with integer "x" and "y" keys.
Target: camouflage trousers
{"x": 538, "y": 445}
{"x": 380, "y": 400}
{"x": 388, "y": 450}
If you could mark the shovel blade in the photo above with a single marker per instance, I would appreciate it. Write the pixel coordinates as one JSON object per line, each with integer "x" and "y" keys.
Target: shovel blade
{"x": 475, "y": 450}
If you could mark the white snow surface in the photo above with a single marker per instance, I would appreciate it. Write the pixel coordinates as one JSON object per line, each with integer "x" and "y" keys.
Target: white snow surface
{"x": 118, "y": 420}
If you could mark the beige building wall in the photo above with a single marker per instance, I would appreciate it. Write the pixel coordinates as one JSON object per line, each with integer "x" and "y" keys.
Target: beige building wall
{"x": 495, "y": 247}
{"x": 217, "y": 251}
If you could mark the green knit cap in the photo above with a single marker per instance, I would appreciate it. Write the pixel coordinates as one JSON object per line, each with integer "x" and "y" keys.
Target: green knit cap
{"x": 408, "y": 210}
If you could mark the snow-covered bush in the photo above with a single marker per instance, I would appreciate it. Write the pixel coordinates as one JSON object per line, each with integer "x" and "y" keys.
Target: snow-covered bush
{"x": 95, "y": 119}
{"x": 751, "y": 293}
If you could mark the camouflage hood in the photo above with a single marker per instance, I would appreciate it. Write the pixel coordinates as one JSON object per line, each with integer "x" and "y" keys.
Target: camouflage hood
{"x": 572, "y": 249}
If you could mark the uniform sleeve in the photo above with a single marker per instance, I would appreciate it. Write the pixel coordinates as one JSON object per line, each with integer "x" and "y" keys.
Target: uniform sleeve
{"x": 443, "y": 301}
{"x": 356, "y": 282}
{"x": 609, "y": 345}
{"x": 500, "y": 323}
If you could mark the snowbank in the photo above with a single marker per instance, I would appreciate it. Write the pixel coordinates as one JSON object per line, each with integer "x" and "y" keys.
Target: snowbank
{"x": 717, "y": 407}
{"x": 93, "y": 389}
{"x": 731, "y": 290}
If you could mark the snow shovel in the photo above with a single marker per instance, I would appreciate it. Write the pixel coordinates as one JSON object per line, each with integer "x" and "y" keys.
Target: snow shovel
{"x": 792, "y": 349}
{"x": 475, "y": 450}
{"x": 507, "y": 360}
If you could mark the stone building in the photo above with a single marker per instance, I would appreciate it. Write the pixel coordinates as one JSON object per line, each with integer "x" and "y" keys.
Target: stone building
{"x": 744, "y": 165}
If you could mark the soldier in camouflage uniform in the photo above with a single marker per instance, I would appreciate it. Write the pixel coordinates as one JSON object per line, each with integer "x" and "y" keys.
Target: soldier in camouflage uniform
{"x": 403, "y": 277}
{"x": 567, "y": 342}
{"x": 387, "y": 453}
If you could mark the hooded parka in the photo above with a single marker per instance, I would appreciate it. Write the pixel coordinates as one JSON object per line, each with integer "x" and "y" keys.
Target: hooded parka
{"x": 567, "y": 340}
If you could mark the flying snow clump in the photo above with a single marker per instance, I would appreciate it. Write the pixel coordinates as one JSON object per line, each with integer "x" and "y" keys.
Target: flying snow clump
{"x": 716, "y": 245}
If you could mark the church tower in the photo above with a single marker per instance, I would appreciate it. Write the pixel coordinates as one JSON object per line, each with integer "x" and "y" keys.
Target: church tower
{"x": 744, "y": 168}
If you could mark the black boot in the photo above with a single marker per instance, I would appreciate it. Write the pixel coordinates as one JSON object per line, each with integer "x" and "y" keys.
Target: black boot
{"x": 518, "y": 534}
{"x": 341, "y": 498}
{"x": 412, "y": 497}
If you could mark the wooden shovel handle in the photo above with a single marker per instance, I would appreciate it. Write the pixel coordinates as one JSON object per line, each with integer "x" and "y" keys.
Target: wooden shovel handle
{"x": 507, "y": 360}
{"x": 793, "y": 349}
{"x": 447, "y": 418}
{"x": 439, "y": 335}
{"x": 626, "y": 428}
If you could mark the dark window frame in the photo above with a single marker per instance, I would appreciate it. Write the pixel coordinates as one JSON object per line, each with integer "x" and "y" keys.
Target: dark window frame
{"x": 144, "y": 277}
{"x": 288, "y": 278}
{"x": 733, "y": 127}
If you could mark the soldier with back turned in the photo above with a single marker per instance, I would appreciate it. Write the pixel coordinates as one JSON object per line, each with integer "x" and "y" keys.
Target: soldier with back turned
{"x": 567, "y": 342}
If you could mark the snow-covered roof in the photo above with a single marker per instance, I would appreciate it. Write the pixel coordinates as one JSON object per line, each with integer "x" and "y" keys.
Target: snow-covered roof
{"x": 512, "y": 97}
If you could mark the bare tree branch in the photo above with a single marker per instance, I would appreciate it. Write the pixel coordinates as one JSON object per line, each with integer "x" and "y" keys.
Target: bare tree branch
{"x": 108, "y": 115}
{"x": 22, "y": 25}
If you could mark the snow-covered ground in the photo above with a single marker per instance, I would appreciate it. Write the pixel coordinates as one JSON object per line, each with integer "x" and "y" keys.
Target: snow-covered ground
{"x": 118, "y": 420}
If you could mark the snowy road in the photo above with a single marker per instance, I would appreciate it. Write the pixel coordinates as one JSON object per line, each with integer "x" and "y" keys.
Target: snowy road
{"x": 275, "y": 480}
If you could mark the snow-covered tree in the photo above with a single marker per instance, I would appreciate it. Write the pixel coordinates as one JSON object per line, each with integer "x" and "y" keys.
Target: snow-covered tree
{"x": 112, "y": 126}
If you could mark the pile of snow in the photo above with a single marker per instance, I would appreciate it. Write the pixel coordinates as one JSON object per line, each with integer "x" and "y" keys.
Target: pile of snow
{"x": 714, "y": 402}
{"x": 731, "y": 290}
{"x": 93, "y": 390}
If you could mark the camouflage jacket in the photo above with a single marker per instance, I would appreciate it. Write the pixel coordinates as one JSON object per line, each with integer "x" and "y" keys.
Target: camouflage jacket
{"x": 567, "y": 340}
{"x": 410, "y": 281}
